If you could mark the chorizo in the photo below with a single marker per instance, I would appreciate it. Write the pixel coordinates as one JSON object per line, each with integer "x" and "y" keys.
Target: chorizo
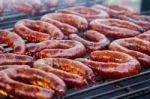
{"x": 117, "y": 11}
{"x": 141, "y": 20}
{"x": 116, "y": 28}
{"x": 99, "y": 41}
{"x": 14, "y": 59}
{"x": 112, "y": 64}
{"x": 30, "y": 83}
{"x": 2, "y": 67}
{"x": 37, "y": 31}
{"x": 144, "y": 36}
{"x": 86, "y": 12}
{"x": 72, "y": 72}
{"x": 57, "y": 48}
{"x": 70, "y": 19}
{"x": 139, "y": 49}
{"x": 13, "y": 40}
{"x": 27, "y": 6}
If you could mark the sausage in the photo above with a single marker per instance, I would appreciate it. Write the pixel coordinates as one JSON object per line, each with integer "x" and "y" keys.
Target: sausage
{"x": 27, "y": 6}
{"x": 65, "y": 28}
{"x": 112, "y": 64}
{"x": 116, "y": 28}
{"x": 30, "y": 83}
{"x": 116, "y": 11}
{"x": 141, "y": 20}
{"x": 57, "y": 48}
{"x": 72, "y": 72}
{"x": 37, "y": 31}
{"x": 2, "y": 67}
{"x": 139, "y": 49}
{"x": 51, "y": 3}
{"x": 98, "y": 40}
{"x": 86, "y": 12}
{"x": 71, "y": 19}
{"x": 15, "y": 59}
{"x": 13, "y": 40}
{"x": 144, "y": 36}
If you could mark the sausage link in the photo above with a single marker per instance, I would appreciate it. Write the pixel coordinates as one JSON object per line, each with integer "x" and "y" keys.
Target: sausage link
{"x": 72, "y": 72}
{"x": 30, "y": 83}
{"x": 99, "y": 41}
{"x": 139, "y": 49}
{"x": 14, "y": 59}
{"x": 112, "y": 64}
{"x": 57, "y": 48}
{"x": 116, "y": 28}
{"x": 37, "y": 31}
{"x": 2, "y": 67}
{"x": 13, "y": 40}
{"x": 27, "y": 6}
{"x": 71, "y": 19}
{"x": 144, "y": 36}
{"x": 86, "y": 12}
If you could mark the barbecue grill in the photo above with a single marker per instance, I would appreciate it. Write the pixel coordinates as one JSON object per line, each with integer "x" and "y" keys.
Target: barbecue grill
{"x": 136, "y": 86}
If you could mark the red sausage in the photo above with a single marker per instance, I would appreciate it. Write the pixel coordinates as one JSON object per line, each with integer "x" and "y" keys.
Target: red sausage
{"x": 138, "y": 48}
{"x": 71, "y": 19}
{"x": 57, "y": 48}
{"x": 86, "y": 12}
{"x": 112, "y": 64}
{"x": 116, "y": 28}
{"x": 13, "y": 40}
{"x": 72, "y": 72}
{"x": 30, "y": 83}
{"x": 37, "y": 31}
{"x": 99, "y": 41}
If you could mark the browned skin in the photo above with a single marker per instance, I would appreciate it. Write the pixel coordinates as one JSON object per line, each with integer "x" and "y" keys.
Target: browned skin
{"x": 112, "y": 64}
{"x": 71, "y": 19}
{"x": 98, "y": 40}
{"x": 115, "y": 28}
{"x": 145, "y": 36}
{"x": 87, "y": 12}
{"x": 13, "y": 40}
{"x": 141, "y": 20}
{"x": 37, "y": 31}
{"x": 57, "y": 48}
{"x": 51, "y": 3}
{"x": 27, "y": 6}
{"x": 14, "y": 59}
{"x": 29, "y": 83}
{"x": 117, "y": 11}
{"x": 2, "y": 67}
{"x": 72, "y": 72}
{"x": 138, "y": 48}
{"x": 65, "y": 28}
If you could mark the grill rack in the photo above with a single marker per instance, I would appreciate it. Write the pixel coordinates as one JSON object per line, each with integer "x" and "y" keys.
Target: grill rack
{"x": 136, "y": 86}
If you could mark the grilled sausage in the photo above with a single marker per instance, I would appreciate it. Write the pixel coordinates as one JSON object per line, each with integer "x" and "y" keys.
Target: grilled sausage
{"x": 37, "y": 31}
{"x": 30, "y": 83}
{"x": 72, "y": 72}
{"x": 112, "y": 64}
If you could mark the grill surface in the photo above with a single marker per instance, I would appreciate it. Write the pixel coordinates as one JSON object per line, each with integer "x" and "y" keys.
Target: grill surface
{"x": 136, "y": 86}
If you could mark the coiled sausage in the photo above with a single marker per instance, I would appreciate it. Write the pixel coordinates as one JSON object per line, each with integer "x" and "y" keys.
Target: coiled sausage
{"x": 57, "y": 48}
{"x": 112, "y": 64}
{"x": 30, "y": 83}
{"x": 99, "y": 41}
{"x": 72, "y": 72}
{"x": 37, "y": 31}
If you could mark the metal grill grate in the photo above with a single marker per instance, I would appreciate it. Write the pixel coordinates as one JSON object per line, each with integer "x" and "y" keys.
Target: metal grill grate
{"x": 136, "y": 86}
